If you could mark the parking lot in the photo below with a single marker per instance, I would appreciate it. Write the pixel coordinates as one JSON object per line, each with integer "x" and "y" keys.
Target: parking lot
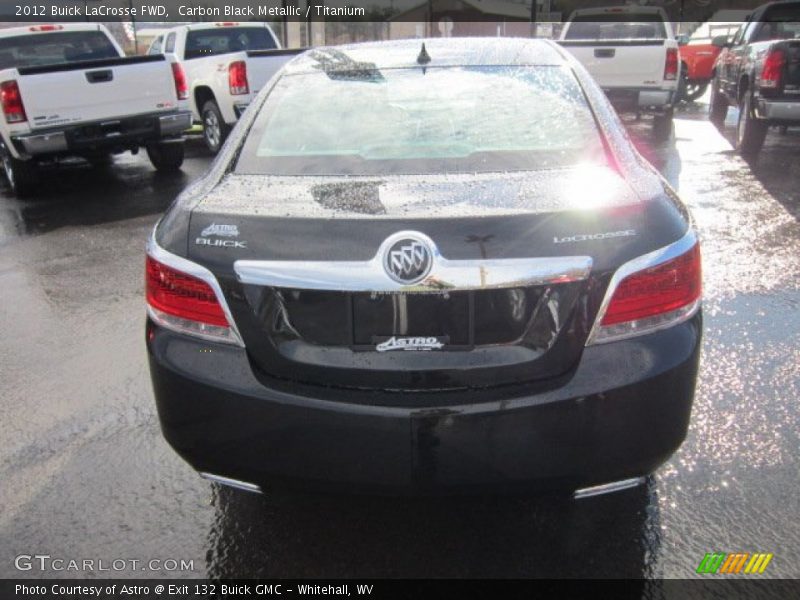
{"x": 87, "y": 474}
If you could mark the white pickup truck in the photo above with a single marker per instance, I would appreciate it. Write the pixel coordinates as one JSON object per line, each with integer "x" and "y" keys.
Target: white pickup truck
{"x": 69, "y": 90}
{"x": 631, "y": 51}
{"x": 226, "y": 64}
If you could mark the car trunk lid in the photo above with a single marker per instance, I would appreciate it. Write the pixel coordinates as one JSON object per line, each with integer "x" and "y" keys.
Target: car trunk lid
{"x": 509, "y": 299}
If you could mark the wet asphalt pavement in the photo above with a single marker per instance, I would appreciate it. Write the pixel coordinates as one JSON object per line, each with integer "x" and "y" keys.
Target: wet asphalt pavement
{"x": 86, "y": 474}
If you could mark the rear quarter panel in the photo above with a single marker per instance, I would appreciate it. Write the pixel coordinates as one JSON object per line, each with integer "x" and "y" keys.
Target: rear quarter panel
{"x": 699, "y": 60}
{"x": 212, "y": 72}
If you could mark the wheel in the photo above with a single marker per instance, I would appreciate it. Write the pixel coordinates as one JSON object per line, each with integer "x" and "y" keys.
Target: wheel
{"x": 166, "y": 156}
{"x": 215, "y": 129}
{"x": 750, "y": 132}
{"x": 683, "y": 83}
{"x": 718, "y": 106}
{"x": 22, "y": 175}
{"x": 693, "y": 90}
{"x": 662, "y": 126}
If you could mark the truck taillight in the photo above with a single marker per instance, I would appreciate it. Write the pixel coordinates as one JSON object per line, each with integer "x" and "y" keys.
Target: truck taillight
{"x": 671, "y": 64}
{"x": 11, "y": 100}
{"x": 772, "y": 71}
{"x": 652, "y": 298}
{"x": 185, "y": 303}
{"x": 237, "y": 78}
{"x": 179, "y": 76}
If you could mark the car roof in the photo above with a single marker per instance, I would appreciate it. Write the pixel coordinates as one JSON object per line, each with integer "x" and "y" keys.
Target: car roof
{"x": 441, "y": 52}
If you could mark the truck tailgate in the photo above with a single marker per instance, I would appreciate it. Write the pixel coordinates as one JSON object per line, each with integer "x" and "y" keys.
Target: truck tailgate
{"x": 96, "y": 90}
{"x": 263, "y": 64}
{"x": 621, "y": 64}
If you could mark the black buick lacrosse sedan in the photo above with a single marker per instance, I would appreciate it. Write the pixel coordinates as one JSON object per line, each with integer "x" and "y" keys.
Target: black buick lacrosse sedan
{"x": 425, "y": 267}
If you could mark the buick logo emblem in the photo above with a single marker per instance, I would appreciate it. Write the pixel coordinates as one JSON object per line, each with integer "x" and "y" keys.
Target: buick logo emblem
{"x": 408, "y": 260}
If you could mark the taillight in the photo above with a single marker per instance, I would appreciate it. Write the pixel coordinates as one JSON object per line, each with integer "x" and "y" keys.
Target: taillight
{"x": 652, "y": 298}
{"x": 237, "y": 78}
{"x": 41, "y": 28}
{"x": 772, "y": 71}
{"x": 181, "y": 87}
{"x": 185, "y": 303}
{"x": 671, "y": 64}
{"x": 11, "y": 100}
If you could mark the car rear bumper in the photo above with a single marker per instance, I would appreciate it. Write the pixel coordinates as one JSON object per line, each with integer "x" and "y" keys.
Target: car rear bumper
{"x": 100, "y": 135}
{"x": 779, "y": 111}
{"x": 640, "y": 99}
{"x": 624, "y": 411}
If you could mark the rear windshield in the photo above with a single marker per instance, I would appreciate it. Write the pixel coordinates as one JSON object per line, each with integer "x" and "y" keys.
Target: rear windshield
{"x": 54, "y": 48}
{"x": 415, "y": 121}
{"x": 617, "y": 26}
{"x": 210, "y": 42}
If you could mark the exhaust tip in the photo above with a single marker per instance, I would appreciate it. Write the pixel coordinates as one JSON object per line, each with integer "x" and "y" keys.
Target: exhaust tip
{"x": 608, "y": 488}
{"x": 234, "y": 483}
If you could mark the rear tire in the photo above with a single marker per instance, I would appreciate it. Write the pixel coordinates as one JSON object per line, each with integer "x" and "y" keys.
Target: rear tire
{"x": 750, "y": 132}
{"x": 718, "y": 106}
{"x": 693, "y": 91}
{"x": 215, "y": 129}
{"x": 22, "y": 175}
{"x": 662, "y": 126}
{"x": 166, "y": 157}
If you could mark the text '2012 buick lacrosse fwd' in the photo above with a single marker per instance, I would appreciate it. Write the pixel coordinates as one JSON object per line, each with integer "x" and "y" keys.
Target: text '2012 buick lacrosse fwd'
{"x": 426, "y": 267}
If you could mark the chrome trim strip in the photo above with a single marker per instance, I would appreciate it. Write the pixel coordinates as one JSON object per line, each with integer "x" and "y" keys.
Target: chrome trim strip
{"x": 646, "y": 261}
{"x": 445, "y": 274}
{"x": 191, "y": 268}
{"x": 607, "y": 488}
{"x": 234, "y": 483}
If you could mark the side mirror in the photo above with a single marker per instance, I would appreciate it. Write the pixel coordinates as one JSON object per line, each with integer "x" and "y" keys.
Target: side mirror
{"x": 720, "y": 41}
{"x": 682, "y": 39}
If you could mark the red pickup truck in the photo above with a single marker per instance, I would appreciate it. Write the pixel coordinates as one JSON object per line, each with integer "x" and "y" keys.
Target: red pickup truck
{"x": 698, "y": 55}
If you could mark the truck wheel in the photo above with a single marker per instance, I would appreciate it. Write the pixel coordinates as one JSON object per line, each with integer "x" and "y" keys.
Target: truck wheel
{"x": 166, "y": 156}
{"x": 662, "y": 126}
{"x": 215, "y": 129}
{"x": 718, "y": 106}
{"x": 22, "y": 175}
{"x": 750, "y": 132}
{"x": 693, "y": 90}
